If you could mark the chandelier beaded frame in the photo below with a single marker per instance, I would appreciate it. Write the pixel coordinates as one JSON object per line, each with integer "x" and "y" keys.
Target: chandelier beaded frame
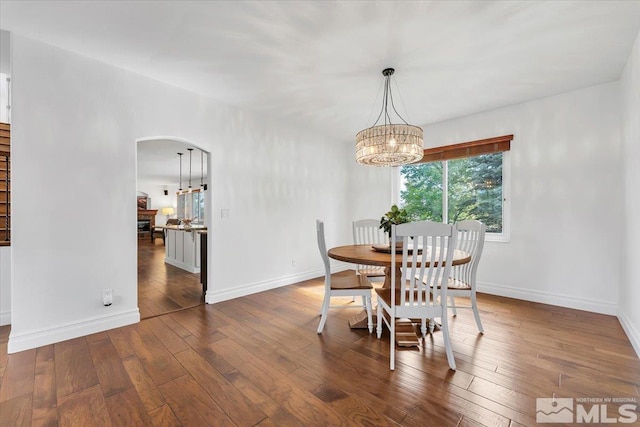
{"x": 389, "y": 144}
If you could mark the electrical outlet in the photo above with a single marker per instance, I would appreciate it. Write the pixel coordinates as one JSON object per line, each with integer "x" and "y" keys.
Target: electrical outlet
{"x": 107, "y": 297}
{"x": 293, "y": 263}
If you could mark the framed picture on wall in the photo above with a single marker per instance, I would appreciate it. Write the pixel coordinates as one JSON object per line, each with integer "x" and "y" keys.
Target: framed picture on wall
{"x": 144, "y": 202}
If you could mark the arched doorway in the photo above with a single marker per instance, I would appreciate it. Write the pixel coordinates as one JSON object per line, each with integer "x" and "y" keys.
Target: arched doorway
{"x": 168, "y": 263}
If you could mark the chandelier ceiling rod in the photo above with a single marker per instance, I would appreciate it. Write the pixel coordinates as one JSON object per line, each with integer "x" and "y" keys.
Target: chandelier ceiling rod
{"x": 388, "y": 95}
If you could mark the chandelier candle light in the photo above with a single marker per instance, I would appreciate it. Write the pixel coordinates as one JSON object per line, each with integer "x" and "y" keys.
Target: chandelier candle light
{"x": 389, "y": 144}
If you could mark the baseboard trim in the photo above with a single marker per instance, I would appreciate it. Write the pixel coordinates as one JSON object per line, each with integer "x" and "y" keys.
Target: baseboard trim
{"x": 632, "y": 332}
{"x": 5, "y": 318}
{"x": 549, "y": 298}
{"x": 212, "y": 296}
{"x": 32, "y": 339}
{"x": 182, "y": 265}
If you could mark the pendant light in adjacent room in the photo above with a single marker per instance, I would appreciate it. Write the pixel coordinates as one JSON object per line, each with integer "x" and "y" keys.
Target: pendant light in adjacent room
{"x": 190, "y": 150}
{"x": 180, "y": 188}
{"x": 203, "y": 186}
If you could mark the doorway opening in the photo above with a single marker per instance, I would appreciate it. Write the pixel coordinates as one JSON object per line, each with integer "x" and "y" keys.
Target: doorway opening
{"x": 173, "y": 192}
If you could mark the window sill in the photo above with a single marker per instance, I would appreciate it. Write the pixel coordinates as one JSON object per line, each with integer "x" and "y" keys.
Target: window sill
{"x": 499, "y": 238}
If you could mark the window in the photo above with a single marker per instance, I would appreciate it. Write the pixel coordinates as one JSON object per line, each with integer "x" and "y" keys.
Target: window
{"x": 191, "y": 205}
{"x": 467, "y": 182}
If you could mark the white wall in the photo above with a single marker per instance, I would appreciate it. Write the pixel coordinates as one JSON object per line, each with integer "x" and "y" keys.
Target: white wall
{"x": 629, "y": 312}
{"x": 5, "y": 285}
{"x": 74, "y": 117}
{"x": 566, "y": 198}
{"x": 371, "y": 190}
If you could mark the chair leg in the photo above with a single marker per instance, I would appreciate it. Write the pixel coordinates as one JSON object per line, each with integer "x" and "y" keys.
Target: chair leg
{"x": 364, "y": 301}
{"x": 432, "y": 325}
{"x": 379, "y": 321}
{"x": 325, "y": 310}
{"x": 423, "y": 327}
{"x": 476, "y": 314}
{"x": 392, "y": 348}
{"x": 453, "y": 305}
{"x": 369, "y": 315}
{"x": 447, "y": 343}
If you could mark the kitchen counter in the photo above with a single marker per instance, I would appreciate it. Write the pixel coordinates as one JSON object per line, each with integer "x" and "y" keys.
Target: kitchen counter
{"x": 182, "y": 247}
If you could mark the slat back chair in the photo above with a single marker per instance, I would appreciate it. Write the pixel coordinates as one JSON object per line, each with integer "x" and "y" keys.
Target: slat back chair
{"x": 368, "y": 232}
{"x": 427, "y": 251}
{"x": 462, "y": 281}
{"x": 341, "y": 286}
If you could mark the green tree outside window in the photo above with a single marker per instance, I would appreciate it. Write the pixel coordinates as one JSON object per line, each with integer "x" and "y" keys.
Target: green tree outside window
{"x": 474, "y": 190}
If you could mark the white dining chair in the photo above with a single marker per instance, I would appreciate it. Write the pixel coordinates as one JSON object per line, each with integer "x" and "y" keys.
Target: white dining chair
{"x": 462, "y": 279}
{"x": 411, "y": 297}
{"x": 341, "y": 286}
{"x": 368, "y": 232}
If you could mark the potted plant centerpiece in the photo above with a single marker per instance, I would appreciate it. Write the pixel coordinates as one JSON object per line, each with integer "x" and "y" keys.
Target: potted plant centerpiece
{"x": 394, "y": 216}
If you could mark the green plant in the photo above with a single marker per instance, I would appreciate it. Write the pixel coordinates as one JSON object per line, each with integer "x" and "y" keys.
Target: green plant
{"x": 394, "y": 216}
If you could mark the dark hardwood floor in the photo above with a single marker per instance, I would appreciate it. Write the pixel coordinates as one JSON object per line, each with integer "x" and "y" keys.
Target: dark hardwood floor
{"x": 163, "y": 288}
{"x": 257, "y": 360}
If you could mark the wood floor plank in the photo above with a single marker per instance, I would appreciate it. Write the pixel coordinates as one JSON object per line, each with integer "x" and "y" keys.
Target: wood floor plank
{"x": 176, "y": 327}
{"x": 214, "y": 359}
{"x": 163, "y": 417}
{"x": 233, "y": 403}
{"x": 273, "y": 356}
{"x": 172, "y": 341}
{"x": 277, "y": 414}
{"x": 74, "y": 367}
{"x": 121, "y": 343}
{"x": 202, "y": 326}
{"x": 4, "y": 336}
{"x": 192, "y": 405}
{"x": 96, "y": 337}
{"x": 19, "y": 375}
{"x": 44, "y": 387}
{"x": 126, "y": 409}
{"x": 47, "y": 417}
{"x": 111, "y": 373}
{"x": 298, "y": 401}
{"x": 276, "y": 353}
{"x": 86, "y": 407}
{"x": 16, "y": 411}
{"x": 156, "y": 359}
{"x": 149, "y": 393}
{"x": 330, "y": 389}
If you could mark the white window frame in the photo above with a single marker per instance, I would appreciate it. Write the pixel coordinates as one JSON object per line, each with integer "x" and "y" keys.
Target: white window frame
{"x": 505, "y": 236}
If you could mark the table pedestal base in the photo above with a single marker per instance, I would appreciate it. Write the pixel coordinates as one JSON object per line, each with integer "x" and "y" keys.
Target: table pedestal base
{"x": 406, "y": 335}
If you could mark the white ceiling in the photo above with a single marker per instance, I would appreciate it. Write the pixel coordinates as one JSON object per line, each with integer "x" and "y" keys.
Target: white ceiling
{"x": 159, "y": 163}
{"x": 319, "y": 63}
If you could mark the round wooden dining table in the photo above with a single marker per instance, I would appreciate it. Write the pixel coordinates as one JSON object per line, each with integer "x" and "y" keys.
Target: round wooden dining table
{"x": 367, "y": 255}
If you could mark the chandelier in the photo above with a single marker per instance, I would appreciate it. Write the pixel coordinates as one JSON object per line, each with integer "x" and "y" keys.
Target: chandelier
{"x": 389, "y": 144}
